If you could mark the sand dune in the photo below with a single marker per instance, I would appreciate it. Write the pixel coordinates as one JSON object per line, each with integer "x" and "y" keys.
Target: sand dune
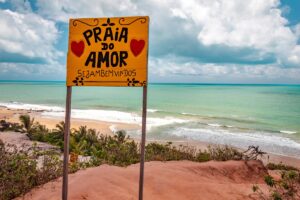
{"x": 184, "y": 180}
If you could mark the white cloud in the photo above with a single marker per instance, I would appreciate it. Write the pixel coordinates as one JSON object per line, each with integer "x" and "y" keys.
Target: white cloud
{"x": 24, "y": 71}
{"x": 21, "y": 6}
{"x": 294, "y": 56}
{"x": 174, "y": 69}
{"x": 192, "y": 35}
{"x": 235, "y": 24}
{"x": 297, "y": 30}
{"x": 62, "y": 10}
{"x": 28, "y": 35}
{"x": 248, "y": 24}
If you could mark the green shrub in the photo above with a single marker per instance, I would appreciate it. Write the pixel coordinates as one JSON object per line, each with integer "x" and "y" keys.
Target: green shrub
{"x": 166, "y": 152}
{"x": 19, "y": 170}
{"x": 38, "y": 133}
{"x": 280, "y": 166}
{"x": 288, "y": 187}
{"x": 51, "y": 167}
{"x": 223, "y": 153}
{"x": 203, "y": 156}
{"x": 269, "y": 180}
{"x": 8, "y": 126}
{"x": 117, "y": 150}
{"x": 27, "y": 123}
{"x": 121, "y": 150}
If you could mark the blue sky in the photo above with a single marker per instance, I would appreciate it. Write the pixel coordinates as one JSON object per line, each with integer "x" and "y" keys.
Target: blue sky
{"x": 206, "y": 41}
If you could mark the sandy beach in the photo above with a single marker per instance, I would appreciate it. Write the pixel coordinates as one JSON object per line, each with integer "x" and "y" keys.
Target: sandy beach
{"x": 12, "y": 115}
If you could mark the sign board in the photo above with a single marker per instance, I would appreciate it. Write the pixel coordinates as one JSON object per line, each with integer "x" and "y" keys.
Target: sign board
{"x": 108, "y": 51}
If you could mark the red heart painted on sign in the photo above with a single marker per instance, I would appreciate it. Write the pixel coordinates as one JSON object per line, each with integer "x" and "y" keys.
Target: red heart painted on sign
{"x": 137, "y": 46}
{"x": 77, "y": 48}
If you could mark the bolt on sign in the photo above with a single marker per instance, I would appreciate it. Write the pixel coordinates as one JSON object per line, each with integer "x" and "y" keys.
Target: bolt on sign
{"x": 108, "y": 51}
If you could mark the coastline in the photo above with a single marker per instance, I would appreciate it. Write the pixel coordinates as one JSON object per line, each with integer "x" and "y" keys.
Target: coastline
{"x": 12, "y": 115}
{"x": 108, "y": 128}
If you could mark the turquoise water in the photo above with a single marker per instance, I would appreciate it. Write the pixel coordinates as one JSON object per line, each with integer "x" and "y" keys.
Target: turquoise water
{"x": 189, "y": 111}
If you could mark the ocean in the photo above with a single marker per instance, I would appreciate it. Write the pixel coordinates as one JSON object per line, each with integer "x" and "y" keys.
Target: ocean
{"x": 234, "y": 114}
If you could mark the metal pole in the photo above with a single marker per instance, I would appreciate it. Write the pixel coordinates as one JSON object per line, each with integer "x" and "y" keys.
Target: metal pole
{"x": 142, "y": 160}
{"x": 66, "y": 144}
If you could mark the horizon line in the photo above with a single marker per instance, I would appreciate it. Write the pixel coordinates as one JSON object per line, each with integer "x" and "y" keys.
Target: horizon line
{"x": 166, "y": 83}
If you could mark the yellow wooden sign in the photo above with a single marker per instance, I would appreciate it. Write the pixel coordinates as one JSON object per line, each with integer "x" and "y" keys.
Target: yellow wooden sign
{"x": 108, "y": 51}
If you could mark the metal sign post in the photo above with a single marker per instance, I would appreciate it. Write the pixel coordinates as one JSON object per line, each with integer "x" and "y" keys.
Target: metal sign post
{"x": 67, "y": 139}
{"x": 143, "y": 140}
{"x": 66, "y": 143}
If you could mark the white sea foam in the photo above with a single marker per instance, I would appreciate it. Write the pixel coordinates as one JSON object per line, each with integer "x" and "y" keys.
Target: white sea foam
{"x": 268, "y": 142}
{"x": 93, "y": 114}
{"x": 215, "y": 125}
{"x": 35, "y": 107}
{"x": 115, "y": 116}
{"x": 153, "y": 122}
{"x": 101, "y": 115}
{"x": 288, "y": 132}
{"x": 151, "y": 110}
{"x": 192, "y": 114}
